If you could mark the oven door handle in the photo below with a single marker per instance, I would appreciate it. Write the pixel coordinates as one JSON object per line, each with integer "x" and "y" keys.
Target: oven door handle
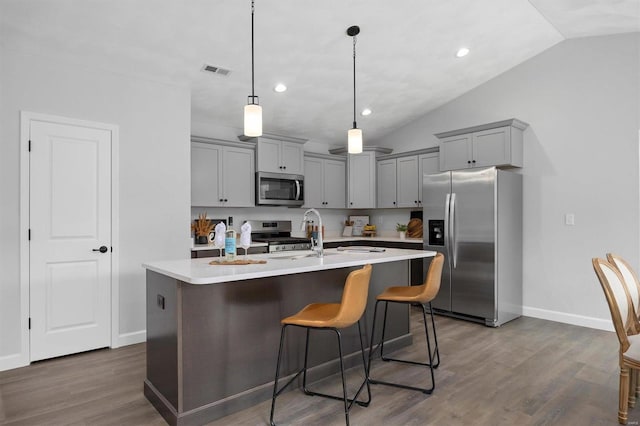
{"x": 297, "y": 189}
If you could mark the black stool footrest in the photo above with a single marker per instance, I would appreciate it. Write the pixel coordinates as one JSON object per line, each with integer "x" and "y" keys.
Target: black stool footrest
{"x": 379, "y": 382}
{"x": 425, "y": 364}
{"x": 339, "y": 398}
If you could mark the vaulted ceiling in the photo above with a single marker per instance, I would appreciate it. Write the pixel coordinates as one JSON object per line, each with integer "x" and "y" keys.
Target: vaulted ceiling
{"x": 406, "y": 63}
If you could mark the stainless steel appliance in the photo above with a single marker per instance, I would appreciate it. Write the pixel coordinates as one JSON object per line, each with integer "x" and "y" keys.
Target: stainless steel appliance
{"x": 279, "y": 189}
{"x": 277, "y": 234}
{"x": 474, "y": 217}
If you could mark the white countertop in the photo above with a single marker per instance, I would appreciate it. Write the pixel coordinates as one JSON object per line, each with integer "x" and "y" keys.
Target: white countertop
{"x": 198, "y": 271}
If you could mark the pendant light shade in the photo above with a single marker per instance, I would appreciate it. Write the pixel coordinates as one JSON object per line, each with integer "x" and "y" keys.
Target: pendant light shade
{"x": 253, "y": 120}
{"x": 354, "y": 136}
{"x": 354, "y": 141}
{"x": 253, "y": 110}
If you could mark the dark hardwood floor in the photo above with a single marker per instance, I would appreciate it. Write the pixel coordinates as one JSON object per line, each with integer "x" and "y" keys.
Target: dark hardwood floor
{"x": 527, "y": 372}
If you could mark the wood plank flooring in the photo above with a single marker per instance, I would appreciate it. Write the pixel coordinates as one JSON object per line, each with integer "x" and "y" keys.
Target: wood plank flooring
{"x": 527, "y": 372}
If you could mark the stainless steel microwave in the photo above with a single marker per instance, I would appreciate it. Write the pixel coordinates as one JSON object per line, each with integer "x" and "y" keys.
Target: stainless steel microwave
{"x": 279, "y": 189}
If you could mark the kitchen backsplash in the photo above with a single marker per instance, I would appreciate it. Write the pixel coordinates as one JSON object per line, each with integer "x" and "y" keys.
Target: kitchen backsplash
{"x": 332, "y": 219}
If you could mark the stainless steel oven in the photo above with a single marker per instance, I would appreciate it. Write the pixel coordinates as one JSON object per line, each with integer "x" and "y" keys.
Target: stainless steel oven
{"x": 277, "y": 235}
{"x": 279, "y": 189}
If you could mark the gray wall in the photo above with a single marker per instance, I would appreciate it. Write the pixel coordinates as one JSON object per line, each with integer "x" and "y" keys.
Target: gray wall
{"x": 581, "y": 100}
{"x": 154, "y": 163}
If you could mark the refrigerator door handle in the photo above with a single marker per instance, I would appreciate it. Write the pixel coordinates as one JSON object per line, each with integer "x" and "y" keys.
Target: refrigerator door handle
{"x": 447, "y": 241}
{"x": 452, "y": 232}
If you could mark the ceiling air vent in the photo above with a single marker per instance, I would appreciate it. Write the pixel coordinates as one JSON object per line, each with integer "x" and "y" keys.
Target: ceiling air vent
{"x": 217, "y": 70}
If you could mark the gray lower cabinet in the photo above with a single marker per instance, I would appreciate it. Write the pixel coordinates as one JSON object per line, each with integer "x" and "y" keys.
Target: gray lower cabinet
{"x": 216, "y": 253}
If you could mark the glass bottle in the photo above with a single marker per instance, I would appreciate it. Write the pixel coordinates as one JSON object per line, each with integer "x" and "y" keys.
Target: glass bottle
{"x": 230, "y": 244}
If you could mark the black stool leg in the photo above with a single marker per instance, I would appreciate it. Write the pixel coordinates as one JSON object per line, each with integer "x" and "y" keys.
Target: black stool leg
{"x": 435, "y": 337}
{"x": 430, "y": 364}
{"x": 275, "y": 382}
{"x": 340, "y": 398}
{"x": 344, "y": 385}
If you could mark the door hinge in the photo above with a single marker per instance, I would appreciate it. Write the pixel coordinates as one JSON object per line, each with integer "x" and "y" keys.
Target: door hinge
{"x": 29, "y": 234}
{"x": 29, "y": 145}
{"x": 29, "y": 323}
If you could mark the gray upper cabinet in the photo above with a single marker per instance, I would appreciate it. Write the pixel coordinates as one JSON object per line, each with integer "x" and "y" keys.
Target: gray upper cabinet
{"x": 493, "y": 144}
{"x": 280, "y": 156}
{"x": 222, "y": 175}
{"x": 361, "y": 174}
{"x": 400, "y": 177}
{"x": 324, "y": 181}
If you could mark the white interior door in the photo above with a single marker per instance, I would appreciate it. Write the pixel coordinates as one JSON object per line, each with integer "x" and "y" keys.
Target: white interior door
{"x": 69, "y": 221}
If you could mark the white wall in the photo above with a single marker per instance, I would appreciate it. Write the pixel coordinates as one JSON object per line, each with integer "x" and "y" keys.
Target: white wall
{"x": 581, "y": 100}
{"x": 154, "y": 130}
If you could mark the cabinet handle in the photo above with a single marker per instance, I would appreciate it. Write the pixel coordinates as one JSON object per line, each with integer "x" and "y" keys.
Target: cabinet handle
{"x": 351, "y": 203}
{"x": 225, "y": 200}
{"x": 221, "y": 199}
{"x": 394, "y": 203}
{"x": 468, "y": 161}
{"x": 473, "y": 161}
{"x": 285, "y": 167}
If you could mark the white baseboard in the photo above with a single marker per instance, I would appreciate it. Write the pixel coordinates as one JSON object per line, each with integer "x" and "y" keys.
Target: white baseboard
{"x": 131, "y": 338}
{"x": 573, "y": 319}
{"x": 9, "y": 362}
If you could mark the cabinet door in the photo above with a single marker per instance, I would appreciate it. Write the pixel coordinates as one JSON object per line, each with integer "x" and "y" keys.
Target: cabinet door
{"x": 491, "y": 147}
{"x": 428, "y": 164}
{"x": 313, "y": 182}
{"x": 362, "y": 180}
{"x": 269, "y": 156}
{"x": 238, "y": 177}
{"x": 407, "y": 182}
{"x": 387, "y": 183}
{"x": 455, "y": 152}
{"x": 206, "y": 186}
{"x": 334, "y": 183}
{"x": 292, "y": 158}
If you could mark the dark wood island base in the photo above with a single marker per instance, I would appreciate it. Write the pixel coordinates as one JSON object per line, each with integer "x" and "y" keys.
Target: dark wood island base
{"x": 212, "y": 348}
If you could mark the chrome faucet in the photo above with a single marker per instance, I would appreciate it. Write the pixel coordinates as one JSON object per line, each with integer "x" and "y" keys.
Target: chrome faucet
{"x": 317, "y": 244}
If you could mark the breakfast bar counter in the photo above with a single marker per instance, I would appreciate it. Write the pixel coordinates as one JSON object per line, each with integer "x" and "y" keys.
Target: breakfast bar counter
{"x": 213, "y": 330}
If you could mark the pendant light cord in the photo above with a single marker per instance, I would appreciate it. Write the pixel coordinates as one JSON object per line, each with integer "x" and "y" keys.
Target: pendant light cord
{"x": 354, "y": 82}
{"x": 253, "y": 95}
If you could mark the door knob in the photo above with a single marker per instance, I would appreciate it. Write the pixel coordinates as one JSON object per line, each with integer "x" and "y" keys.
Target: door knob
{"x": 102, "y": 249}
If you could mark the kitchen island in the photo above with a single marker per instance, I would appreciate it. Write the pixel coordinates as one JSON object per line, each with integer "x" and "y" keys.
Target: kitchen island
{"x": 213, "y": 330}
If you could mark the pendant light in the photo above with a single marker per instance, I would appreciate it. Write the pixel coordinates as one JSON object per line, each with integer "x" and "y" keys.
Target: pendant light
{"x": 253, "y": 110}
{"x": 354, "y": 136}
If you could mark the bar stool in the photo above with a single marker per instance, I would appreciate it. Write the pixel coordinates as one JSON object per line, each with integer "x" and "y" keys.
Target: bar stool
{"x": 414, "y": 295}
{"x": 333, "y": 317}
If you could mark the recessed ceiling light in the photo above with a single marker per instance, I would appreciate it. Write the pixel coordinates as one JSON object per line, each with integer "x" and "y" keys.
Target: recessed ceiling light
{"x": 280, "y": 88}
{"x": 463, "y": 51}
{"x": 366, "y": 111}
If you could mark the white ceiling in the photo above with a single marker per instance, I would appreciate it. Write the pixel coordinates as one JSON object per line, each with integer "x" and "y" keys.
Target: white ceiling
{"x": 406, "y": 64}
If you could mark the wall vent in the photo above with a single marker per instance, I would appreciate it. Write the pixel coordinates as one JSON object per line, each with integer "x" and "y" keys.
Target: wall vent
{"x": 216, "y": 70}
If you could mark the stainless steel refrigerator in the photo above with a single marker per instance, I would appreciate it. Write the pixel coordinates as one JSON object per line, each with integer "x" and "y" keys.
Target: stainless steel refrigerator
{"x": 474, "y": 217}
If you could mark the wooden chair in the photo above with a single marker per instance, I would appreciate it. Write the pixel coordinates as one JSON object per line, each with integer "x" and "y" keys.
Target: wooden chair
{"x": 622, "y": 314}
{"x": 421, "y": 295}
{"x": 333, "y": 317}
{"x": 633, "y": 285}
{"x": 630, "y": 279}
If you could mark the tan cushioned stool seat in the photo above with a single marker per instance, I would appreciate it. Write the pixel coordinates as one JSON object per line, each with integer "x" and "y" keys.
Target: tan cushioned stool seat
{"x": 315, "y": 315}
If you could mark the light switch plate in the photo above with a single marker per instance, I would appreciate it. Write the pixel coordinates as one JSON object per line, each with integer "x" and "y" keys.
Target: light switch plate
{"x": 569, "y": 219}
